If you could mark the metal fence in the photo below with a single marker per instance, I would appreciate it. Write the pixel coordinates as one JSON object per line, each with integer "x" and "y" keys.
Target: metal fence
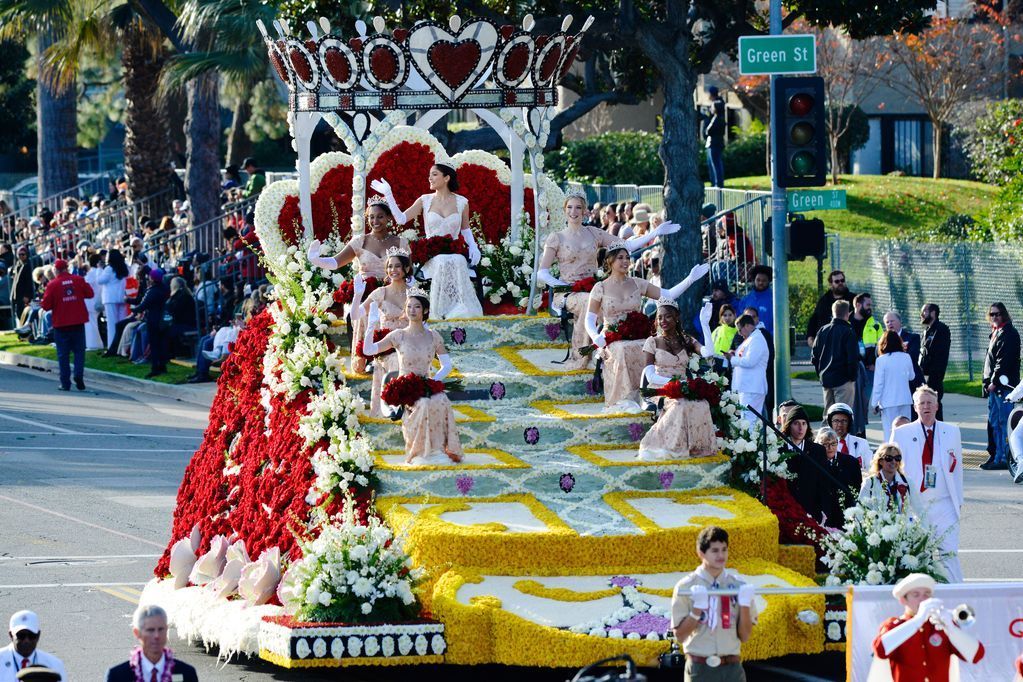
{"x": 963, "y": 278}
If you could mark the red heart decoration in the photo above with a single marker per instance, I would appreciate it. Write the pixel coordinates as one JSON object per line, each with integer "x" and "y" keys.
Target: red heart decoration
{"x": 355, "y": 44}
{"x": 311, "y": 46}
{"x": 337, "y": 65}
{"x": 400, "y": 34}
{"x": 516, "y": 62}
{"x": 301, "y": 64}
{"x": 540, "y": 41}
{"x": 507, "y": 30}
{"x": 454, "y": 62}
{"x": 383, "y": 63}
{"x": 332, "y": 208}
{"x": 550, "y": 63}
{"x": 279, "y": 67}
{"x": 570, "y": 59}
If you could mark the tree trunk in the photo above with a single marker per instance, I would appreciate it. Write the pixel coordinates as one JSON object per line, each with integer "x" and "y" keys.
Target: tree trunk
{"x": 56, "y": 129}
{"x": 202, "y": 176}
{"x": 146, "y": 128}
{"x": 833, "y": 143}
{"x": 936, "y": 136}
{"x": 683, "y": 191}
{"x": 238, "y": 143}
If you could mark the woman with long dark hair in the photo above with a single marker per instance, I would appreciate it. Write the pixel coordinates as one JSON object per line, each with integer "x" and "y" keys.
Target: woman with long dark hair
{"x": 390, "y": 300}
{"x": 445, "y": 214}
{"x": 111, "y": 282}
{"x": 892, "y": 373}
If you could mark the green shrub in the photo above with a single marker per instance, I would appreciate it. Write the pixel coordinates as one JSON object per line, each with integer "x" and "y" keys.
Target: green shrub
{"x": 612, "y": 158}
{"x": 802, "y": 299}
{"x": 995, "y": 144}
{"x": 957, "y": 227}
{"x": 746, "y": 153}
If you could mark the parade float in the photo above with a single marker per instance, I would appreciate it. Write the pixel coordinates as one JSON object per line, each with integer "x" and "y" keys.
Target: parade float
{"x": 300, "y": 533}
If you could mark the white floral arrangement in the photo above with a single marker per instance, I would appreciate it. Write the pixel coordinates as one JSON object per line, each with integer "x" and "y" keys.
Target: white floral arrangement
{"x": 352, "y": 572}
{"x": 506, "y": 268}
{"x": 878, "y": 546}
{"x": 347, "y": 459}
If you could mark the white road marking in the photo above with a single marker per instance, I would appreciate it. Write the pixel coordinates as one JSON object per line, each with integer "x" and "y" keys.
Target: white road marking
{"x": 36, "y": 586}
{"x": 83, "y": 522}
{"x": 60, "y": 557}
{"x": 40, "y": 425}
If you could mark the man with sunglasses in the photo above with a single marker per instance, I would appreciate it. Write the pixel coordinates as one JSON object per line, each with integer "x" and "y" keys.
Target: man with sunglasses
{"x": 932, "y": 454}
{"x": 23, "y": 650}
{"x": 1002, "y": 360}
{"x": 837, "y": 291}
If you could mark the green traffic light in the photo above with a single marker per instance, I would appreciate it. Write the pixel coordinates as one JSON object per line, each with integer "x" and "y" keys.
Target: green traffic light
{"x": 802, "y": 133}
{"x": 803, "y": 163}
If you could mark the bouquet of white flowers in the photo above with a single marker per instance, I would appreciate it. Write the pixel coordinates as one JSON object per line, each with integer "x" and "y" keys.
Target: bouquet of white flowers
{"x": 506, "y": 268}
{"x": 878, "y": 546}
{"x": 352, "y": 573}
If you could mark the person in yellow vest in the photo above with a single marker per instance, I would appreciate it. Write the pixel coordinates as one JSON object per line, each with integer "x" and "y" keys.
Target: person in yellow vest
{"x": 868, "y": 333}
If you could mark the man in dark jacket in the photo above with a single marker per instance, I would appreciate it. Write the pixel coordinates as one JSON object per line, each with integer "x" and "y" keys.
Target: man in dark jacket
{"x": 22, "y": 286}
{"x": 836, "y": 357}
{"x": 839, "y": 483}
{"x": 837, "y": 291}
{"x": 1002, "y": 360}
{"x": 149, "y": 625}
{"x": 65, "y": 296}
{"x": 151, "y": 311}
{"x": 934, "y": 350}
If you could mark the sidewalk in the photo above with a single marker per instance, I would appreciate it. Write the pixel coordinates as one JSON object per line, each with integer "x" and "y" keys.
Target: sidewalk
{"x": 969, "y": 414}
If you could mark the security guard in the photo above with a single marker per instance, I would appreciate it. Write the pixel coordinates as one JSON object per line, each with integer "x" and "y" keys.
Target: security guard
{"x": 23, "y": 651}
{"x": 712, "y": 628}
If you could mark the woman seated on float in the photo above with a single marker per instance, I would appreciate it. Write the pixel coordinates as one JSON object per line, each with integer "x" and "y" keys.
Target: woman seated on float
{"x": 390, "y": 301}
{"x": 612, "y": 299}
{"x": 685, "y": 427}
{"x": 428, "y": 426}
{"x": 370, "y": 250}
{"x": 575, "y": 250}
{"x": 445, "y": 214}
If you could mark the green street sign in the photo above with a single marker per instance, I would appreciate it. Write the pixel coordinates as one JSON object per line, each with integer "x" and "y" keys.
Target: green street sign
{"x": 769, "y": 55}
{"x": 802, "y": 200}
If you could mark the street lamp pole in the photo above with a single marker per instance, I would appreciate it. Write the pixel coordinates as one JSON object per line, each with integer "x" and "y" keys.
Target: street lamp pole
{"x": 782, "y": 383}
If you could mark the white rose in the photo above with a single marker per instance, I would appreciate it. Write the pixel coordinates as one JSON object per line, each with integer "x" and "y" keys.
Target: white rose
{"x": 485, "y": 262}
{"x": 366, "y": 608}
{"x": 495, "y": 298}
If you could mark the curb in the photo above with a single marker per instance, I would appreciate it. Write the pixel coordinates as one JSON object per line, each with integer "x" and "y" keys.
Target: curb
{"x": 188, "y": 394}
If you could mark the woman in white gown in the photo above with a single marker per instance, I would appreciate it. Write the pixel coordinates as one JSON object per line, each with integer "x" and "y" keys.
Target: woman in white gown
{"x": 446, "y": 214}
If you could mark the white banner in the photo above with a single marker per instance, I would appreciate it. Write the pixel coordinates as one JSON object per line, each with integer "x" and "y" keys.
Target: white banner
{"x": 999, "y": 627}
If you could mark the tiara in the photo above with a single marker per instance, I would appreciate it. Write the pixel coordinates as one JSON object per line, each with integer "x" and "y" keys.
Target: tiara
{"x": 575, "y": 194}
{"x": 617, "y": 244}
{"x": 665, "y": 300}
{"x": 376, "y": 200}
{"x": 440, "y": 160}
{"x": 397, "y": 251}
{"x": 414, "y": 291}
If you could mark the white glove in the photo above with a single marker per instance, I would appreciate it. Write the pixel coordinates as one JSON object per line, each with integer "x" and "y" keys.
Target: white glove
{"x": 698, "y": 272}
{"x": 746, "y": 594}
{"x": 445, "y": 367}
{"x": 384, "y": 188}
{"x": 374, "y": 314}
{"x": 474, "y": 251}
{"x": 544, "y": 275}
{"x": 369, "y": 346}
{"x": 707, "y": 349}
{"x": 701, "y": 600}
{"x": 591, "y": 329}
{"x": 965, "y": 643}
{"x": 359, "y": 286}
{"x": 930, "y": 606}
{"x": 653, "y": 378}
{"x": 313, "y": 253}
{"x": 666, "y": 229}
{"x": 898, "y": 636}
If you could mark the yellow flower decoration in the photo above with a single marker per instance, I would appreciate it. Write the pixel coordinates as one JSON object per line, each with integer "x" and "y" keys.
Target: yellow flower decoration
{"x": 513, "y": 354}
{"x": 591, "y": 453}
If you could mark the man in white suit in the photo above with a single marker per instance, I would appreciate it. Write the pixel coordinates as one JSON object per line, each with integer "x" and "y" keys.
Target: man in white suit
{"x": 749, "y": 367}
{"x": 932, "y": 456}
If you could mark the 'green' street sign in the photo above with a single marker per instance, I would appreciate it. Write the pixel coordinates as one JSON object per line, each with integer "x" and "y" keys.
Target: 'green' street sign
{"x": 768, "y": 55}
{"x": 801, "y": 200}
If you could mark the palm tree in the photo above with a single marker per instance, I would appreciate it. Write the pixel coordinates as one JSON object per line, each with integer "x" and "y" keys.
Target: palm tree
{"x": 56, "y": 107}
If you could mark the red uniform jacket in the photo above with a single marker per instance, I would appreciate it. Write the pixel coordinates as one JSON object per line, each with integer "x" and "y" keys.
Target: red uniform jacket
{"x": 65, "y": 295}
{"x": 925, "y": 656}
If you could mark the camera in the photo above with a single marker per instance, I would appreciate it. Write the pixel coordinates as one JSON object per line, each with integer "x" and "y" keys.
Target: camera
{"x": 673, "y": 659}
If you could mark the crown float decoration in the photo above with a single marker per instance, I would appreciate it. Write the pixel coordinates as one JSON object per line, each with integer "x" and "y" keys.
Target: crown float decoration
{"x": 467, "y": 64}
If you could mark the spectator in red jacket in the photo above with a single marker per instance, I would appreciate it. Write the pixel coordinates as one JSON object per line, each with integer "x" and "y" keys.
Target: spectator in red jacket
{"x": 65, "y": 296}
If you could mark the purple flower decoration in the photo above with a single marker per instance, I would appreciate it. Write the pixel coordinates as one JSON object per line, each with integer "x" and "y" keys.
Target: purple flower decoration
{"x": 531, "y": 435}
{"x": 666, "y": 478}
{"x": 566, "y": 482}
{"x": 635, "y": 431}
{"x": 553, "y": 330}
{"x": 644, "y": 624}
{"x": 497, "y": 390}
{"x": 458, "y": 336}
{"x": 623, "y": 581}
{"x": 589, "y": 387}
{"x": 464, "y": 483}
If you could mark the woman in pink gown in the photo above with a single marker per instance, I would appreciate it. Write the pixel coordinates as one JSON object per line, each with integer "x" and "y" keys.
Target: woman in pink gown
{"x": 390, "y": 300}
{"x": 575, "y": 249}
{"x": 611, "y": 300}
{"x": 685, "y": 427}
{"x": 428, "y": 427}
{"x": 369, "y": 249}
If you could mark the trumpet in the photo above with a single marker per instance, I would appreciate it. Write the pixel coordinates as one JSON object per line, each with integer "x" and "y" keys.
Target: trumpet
{"x": 963, "y": 616}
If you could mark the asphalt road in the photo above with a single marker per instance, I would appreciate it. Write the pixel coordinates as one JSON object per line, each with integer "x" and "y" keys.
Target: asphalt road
{"x": 87, "y": 490}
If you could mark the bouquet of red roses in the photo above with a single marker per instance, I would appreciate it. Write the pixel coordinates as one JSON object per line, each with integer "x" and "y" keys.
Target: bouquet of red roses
{"x": 407, "y": 389}
{"x": 425, "y": 248}
{"x": 345, "y": 293}
{"x": 635, "y": 326}
{"x": 583, "y": 286}
{"x": 693, "y": 388}
{"x": 377, "y": 335}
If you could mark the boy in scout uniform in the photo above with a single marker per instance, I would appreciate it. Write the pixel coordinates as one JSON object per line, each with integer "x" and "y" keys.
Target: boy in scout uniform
{"x": 712, "y": 628}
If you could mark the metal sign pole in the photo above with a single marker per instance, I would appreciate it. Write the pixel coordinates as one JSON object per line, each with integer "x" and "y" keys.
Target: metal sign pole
{"x": 782, "y": 383}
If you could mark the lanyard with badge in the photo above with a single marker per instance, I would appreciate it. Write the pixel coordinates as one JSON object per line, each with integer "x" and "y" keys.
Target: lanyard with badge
{"x": 930, "y": 471}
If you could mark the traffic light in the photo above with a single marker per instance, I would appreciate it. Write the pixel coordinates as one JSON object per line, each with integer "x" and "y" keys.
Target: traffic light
{"x": 806, "y": 238}
{"x": 799, "y": 126}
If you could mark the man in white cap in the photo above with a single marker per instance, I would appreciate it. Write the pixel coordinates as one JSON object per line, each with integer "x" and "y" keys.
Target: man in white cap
{"x": 23, "y": 650}
{"x": 924, "y": 643}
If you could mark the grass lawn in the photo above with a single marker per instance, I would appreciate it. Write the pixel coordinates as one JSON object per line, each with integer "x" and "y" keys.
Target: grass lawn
{"x": 176, "y": 374}
{"x": 891, "y": 206}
